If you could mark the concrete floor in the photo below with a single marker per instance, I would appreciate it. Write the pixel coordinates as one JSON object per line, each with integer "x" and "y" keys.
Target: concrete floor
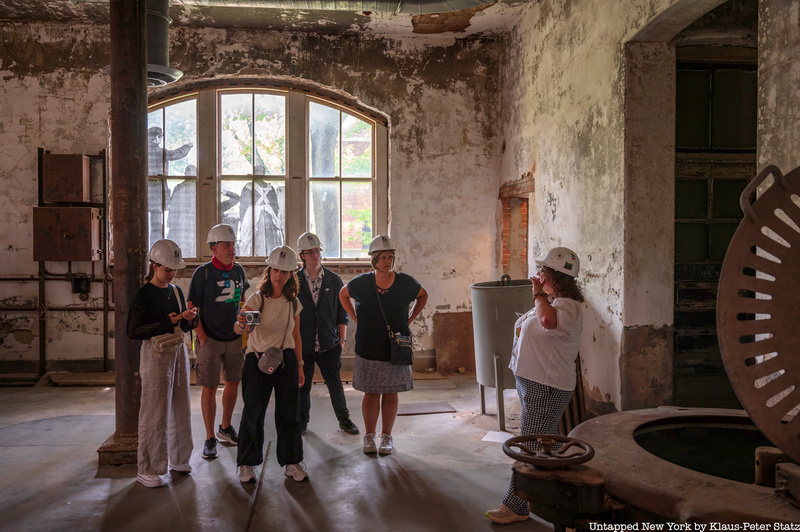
{"x": 442, "y": 476}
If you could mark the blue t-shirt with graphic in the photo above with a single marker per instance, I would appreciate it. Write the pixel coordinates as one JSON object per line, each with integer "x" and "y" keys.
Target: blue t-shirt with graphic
{"x": 217, "y": 294}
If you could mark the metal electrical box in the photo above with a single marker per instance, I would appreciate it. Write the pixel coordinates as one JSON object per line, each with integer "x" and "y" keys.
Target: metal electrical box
{"x": 66, "y": 233}
{"x": 66, "y": 178}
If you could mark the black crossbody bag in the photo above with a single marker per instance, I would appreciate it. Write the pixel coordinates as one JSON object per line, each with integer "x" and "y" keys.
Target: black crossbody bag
{"x": 402, "y": 353}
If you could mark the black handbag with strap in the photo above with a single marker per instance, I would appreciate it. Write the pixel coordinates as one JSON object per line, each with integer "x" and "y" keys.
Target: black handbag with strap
{"x": 400, "y": 346}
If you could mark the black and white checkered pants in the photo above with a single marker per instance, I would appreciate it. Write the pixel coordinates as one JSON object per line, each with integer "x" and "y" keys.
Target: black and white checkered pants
{"x": 542, "y": 408}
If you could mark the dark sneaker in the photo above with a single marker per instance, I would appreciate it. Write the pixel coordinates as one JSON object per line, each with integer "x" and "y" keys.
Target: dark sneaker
{"x": 228, "y": 435}
{"x": 348, "y": 426}
{"x": 210, "y": 448}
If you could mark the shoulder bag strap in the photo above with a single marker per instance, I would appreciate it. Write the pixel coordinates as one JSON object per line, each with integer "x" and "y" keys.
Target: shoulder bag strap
{"x": 181, "y": 310}
{"x": 177, "y": 298}
{"x": 289, "y": 321}
{"x": 380, "y": 306}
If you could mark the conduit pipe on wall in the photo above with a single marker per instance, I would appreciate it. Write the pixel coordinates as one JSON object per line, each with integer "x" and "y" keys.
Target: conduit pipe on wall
{"x": 414, "y": 7}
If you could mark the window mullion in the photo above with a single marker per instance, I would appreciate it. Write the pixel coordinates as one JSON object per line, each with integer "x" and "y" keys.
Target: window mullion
{"x": 297, "y": 180}
{"x": 380, "y": 189}
{"x": 208, "y": 187}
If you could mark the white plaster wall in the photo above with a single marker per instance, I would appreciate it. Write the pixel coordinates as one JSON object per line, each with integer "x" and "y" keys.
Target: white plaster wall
{"x": 440, "y": 93}
{"x": 563, "y": 105}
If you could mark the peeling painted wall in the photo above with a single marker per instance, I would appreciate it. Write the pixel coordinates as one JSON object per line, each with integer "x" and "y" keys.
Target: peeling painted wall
{"x": 441, "y": 94}
{"x": 778, "y": 84}
{"x": 563, "y": 106}
{"x": 54, "y": 96}
{"x": 467, "y": 113}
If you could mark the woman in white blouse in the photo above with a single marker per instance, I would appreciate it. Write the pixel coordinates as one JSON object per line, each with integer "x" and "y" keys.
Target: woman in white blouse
{"x": 546, "y": 344}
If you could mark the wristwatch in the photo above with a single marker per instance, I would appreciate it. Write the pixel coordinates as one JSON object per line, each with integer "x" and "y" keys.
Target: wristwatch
{"x": 301, "y": 362}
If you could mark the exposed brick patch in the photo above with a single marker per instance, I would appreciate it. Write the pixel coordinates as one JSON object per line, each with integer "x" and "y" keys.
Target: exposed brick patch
{"x": 520, "y": 190}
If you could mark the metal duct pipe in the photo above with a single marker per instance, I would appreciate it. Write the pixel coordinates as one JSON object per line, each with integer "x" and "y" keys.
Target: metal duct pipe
{"x": 414, "y": 7}
{"x": 158, "y": 70}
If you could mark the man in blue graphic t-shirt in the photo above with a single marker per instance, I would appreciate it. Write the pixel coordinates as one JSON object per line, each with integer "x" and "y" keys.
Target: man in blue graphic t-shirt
{"x": 216, "y": 289}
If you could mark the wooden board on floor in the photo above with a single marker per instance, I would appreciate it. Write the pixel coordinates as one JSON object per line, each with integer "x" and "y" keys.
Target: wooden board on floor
{"x": 347, "y": 376}
{"x": 416, "y": 409}
{"x": 67, "y": 378}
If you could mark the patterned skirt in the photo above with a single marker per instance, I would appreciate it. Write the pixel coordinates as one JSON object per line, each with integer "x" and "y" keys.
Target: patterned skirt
{"x": 376, "y": 376}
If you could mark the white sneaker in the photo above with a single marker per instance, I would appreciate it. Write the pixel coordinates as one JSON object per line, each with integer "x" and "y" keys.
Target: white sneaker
{"x": 296, "y": 471}
{"x": 181, "y": 468}
{"x": 151, "y": 481}
{"x": 246, "y": 474}
{"x": 369, "y": 443}
{"x": 386, "y": 446}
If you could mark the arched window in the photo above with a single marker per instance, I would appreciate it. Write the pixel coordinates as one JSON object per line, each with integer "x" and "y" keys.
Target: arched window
{"x": 272, "y": 163}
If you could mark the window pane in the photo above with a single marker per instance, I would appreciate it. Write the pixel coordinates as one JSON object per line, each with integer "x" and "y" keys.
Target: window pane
{"x": 155, "y": 209}
{"x": 231, "y": 210}
{"x": 270, "y": 129}
{"x": 324, "y": 218}
{"x": 734, "y": 109}
{"x": 155, "y": 136}
{"x": 236, "y": 134}
{"x": 356, "y": 218}
{"x": 323, "y": 134}
{"x": 180, "y": 134}
{"x": 691, "y": 199}
{"x": 356, "y": 147}
{"x": 721, "y": 235}
{"x": 692, "y": 120}
{"x": 181, "y": 215}
{"x": 725, "y": 200}
{"x": 260, "y": 229}
{"x": 691, "y": 242}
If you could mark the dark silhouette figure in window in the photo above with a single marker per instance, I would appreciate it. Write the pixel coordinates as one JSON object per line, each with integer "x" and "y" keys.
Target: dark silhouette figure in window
{"x": 156, "y": 157}
{"x": 260, "y": 229}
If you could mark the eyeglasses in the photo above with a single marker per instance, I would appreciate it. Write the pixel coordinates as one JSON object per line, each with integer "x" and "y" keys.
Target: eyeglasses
{"x": 315, "y": 251}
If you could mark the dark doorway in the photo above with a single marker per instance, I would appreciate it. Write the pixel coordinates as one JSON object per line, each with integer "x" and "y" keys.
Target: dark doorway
{"x": 715, "y": 158}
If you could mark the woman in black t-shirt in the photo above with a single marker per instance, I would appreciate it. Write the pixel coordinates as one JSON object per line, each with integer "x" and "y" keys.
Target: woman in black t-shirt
{"x": 373, "y": 373}
{"x": 158, "y": 315}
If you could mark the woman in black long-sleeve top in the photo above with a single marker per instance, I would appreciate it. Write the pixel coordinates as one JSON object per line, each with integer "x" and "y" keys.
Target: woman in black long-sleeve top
{"x": 158, "y": 315}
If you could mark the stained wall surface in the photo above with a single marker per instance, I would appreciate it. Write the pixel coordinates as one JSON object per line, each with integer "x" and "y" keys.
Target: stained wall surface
{"x": 547, "y": 98}
{"x": 778, "y": 84}
{"x": 563, "y": 106}
{"x": 441, "y": 95}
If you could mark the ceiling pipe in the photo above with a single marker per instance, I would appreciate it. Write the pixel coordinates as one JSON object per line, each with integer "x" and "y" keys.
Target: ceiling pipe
{"x": 413, "y": 7}
{"x": 159, "y": 73}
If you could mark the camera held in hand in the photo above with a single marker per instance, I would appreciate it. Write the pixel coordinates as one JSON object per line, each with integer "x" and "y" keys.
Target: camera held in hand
{"x": 252, "y": 317}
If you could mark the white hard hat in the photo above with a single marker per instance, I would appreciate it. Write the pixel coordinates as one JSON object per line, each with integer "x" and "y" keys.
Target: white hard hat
{"x": 562, "y": 260}
{"x": 283, "y": 258}
{"x": 221, "y": 233}
{"x": 307, "y": 241}
{"x": 381, "y": 243}
{"x": 167, "y": 253}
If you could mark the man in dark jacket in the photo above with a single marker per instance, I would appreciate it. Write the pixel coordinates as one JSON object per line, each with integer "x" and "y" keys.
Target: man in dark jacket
{"x": 323, "y": 330}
